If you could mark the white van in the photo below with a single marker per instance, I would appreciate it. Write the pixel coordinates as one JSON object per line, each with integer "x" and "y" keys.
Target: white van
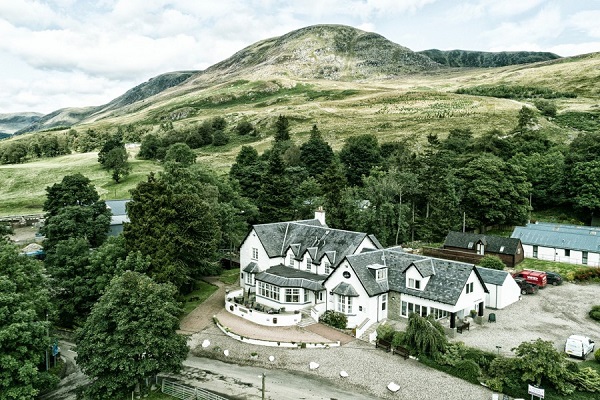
{"x": 579, "y": 346}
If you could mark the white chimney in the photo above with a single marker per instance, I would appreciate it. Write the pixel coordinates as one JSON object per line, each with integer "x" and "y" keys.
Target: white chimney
{"x": 320, "y": 215}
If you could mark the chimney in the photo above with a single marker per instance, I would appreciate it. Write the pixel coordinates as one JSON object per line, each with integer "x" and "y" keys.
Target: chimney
{"x": 320, "y": 215}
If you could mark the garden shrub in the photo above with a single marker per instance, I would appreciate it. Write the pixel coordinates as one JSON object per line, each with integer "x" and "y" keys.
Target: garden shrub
{"x": 335, "y": 319}
{"x": 546, "y": 107}
{"x": 587, "y": 379}
{"x": 595, "y": 313}
{"x": 468, "y": 370}
{"x": 587, "y": 274}
{"x": 481, "y": 357}
{"x": 597, "y": 355}
{"x": 385, "y": 332}
{"x": 492, "y": 262}
{"x": 398, "y": 339}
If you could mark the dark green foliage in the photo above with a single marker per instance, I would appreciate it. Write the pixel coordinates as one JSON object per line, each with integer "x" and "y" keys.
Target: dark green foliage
{"x": 425, "y": 335}
{"x": 244, "y": 127}
{"x": 114, "y": 142}
{"x": 595, "y": 313}
{"x": 24, "y": 302}
{"x": 546, "y": 107}
{"x": 482, "y": 59}
{"x": 584, "y": 186}
{"x": 398, "y": 339}
{"x": 13, "y": 153}
{"x": 597, "y": 354}
{"x": 579, "y": 120}
{"x": 493, "y": 262}
{"x": 335, "y": 319}
{"x": 516, "y": 92}
{"x": 173, "y": 222}
{"x": 359, "y": 155}
{"x": 316, "y": 155}
{"x": 275, "y": 199}
{"x": 116, "y": 161}
{"x": 220, "y": 138}
{"x": 587, "y": 274}
{"x": 468, "y": 370}
{"x": 526, "y": 118}
{"x": 149, "y": 147}
{"x": 181, "y": 154}
{"x": 130, "y": 336}
{"x": 247, "y": 171}
{"x": 282, "y": 129}
{"x": 385, "y": 332}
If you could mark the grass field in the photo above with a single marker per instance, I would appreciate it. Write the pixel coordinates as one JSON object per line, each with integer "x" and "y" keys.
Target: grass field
{"x": 23, "y": 186}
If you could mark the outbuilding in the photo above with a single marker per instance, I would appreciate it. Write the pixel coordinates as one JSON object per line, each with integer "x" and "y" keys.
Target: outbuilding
{"x": 502, "y": 288}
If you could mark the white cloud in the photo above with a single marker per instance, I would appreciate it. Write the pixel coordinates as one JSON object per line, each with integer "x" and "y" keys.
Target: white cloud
{"x": 587, "y": 22}
{"x": 574, "y": 49}
{"x": 37, "y": 14}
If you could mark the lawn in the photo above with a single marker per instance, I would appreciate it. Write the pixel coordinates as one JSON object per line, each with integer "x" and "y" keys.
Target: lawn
{"x": 564, "y": 269}
{"x": 196, "y": 297}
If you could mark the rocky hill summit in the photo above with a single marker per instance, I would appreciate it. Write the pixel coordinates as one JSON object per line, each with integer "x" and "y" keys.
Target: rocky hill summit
{"x": 335, "y": 52}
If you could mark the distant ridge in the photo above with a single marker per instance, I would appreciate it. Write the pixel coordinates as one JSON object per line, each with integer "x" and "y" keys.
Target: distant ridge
{"x": 482, "y": 59}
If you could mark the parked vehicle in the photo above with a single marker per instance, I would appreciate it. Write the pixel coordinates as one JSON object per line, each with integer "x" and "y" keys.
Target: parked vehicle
{"x": 579, "y": 346}
{"x": 553, "y": 278}
{"x": 526, "y": 287}
{"x": 538, "y": 278}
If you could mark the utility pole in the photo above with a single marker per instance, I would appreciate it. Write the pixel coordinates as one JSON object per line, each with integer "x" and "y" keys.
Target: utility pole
{"x": 48, "y": 336}
{"x": 263, "y": 386}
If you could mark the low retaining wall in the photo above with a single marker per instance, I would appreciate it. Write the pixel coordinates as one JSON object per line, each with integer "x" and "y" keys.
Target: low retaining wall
{"x": 260, "y": 342}
{"x": 258, "y": 317}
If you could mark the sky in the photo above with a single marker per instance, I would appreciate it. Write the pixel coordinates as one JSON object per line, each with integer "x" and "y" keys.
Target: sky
{"x": 77, "y": 53}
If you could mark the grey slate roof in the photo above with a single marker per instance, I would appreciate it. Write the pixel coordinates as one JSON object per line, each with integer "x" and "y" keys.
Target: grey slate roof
{"x": 345, "y": 289}
{"x": 283, "y": 276}
{"x": 424, "y": 266}
{"x": 492, "y": 276}
{"x": 278, "y": 237}
{"x": 117, "y": 207}
{"x": 493, "y": 244}
{"x": 572, "y": 237}
{"x": 445, "y": 286}
{"x": 251, "y": 268}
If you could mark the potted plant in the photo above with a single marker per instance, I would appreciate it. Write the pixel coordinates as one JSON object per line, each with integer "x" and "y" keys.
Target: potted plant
{"x": 473, "y": 313}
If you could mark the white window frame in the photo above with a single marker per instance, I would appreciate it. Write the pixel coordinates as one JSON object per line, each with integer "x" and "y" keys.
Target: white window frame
{"x": 327, "y": 267}
{"x": 382, "y": 274}
{"x": 469, "y": 287}
{"x": 344, "y": 304}
{"x": 268, "y": 291}
{"x": 306, "y": 296}
{"x": 250, "y": 279}
{"x": 291, "y": 262}
{"x": 414, "y": 283}
{"x": 308, "y": 263}
{"x": 292, "y": 295}
{"x": 255, "y": 253}
{"x": 384, "y": 302}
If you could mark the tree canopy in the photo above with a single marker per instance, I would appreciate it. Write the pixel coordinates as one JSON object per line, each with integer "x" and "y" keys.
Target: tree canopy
{"x": 130, "y": 336}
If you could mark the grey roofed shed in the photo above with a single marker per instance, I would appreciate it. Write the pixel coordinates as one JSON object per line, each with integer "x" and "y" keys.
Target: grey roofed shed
{"x": 582, "y": 238}
{"x": 492, "y": 276}
{"x": 493, "y": 244}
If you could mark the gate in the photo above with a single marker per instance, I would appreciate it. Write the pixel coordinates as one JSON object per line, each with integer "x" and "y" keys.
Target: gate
{"x": 184, "y": 392}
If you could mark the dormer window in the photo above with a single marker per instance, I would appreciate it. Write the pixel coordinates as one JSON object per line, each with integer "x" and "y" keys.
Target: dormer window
{"x": 382, "y": 274}
{"x": 327, "y": 267}
{"x": 291, "y": 262}
{"x": 308, "y": 263}
{"x": 414, "y": 283}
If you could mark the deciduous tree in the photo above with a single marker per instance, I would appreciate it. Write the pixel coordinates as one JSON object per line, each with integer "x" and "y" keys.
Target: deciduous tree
{"x": 359, "y": 155}
{"x": 130, "y": 336}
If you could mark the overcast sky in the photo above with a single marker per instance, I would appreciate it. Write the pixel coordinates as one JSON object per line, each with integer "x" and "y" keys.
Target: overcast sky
{"x": 75, "y": 53}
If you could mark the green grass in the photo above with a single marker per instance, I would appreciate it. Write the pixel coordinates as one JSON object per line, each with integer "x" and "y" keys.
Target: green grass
{"x": 198, "y": 296}
{"x": 23, "y": 186}
{"x": 230, "y": 277}
{"x": 564, "y": 269}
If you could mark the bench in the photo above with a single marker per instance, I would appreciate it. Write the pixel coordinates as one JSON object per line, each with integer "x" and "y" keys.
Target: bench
{"x": 401, "y": 351}
{"x": 465, "y": 325}
{"x": 384, "y": 344}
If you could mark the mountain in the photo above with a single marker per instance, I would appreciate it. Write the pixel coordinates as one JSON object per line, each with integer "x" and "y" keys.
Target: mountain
{"x": 482, "y": 59}
{"x": 11, "y": 123}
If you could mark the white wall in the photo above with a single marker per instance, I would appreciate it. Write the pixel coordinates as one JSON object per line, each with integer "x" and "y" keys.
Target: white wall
{"x": 470, "y": 301}
{"x": 556, "y": 254}
{"x": 504, "y": 295}
{"x": 264, "y": 262}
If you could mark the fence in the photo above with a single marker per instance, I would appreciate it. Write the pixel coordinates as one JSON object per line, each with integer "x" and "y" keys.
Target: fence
{"x": 184, "y": 392}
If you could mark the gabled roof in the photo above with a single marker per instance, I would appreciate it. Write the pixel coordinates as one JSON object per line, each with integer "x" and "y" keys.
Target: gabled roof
{"x": 424, "y": 266}
{"x": 251, "y": 268}
{"x": 278, "y": 237}
{"x": 572, "y": 237}
{"x": 492, "y": 276}
{"x": 283, "y": 276}
{"x": 445, "y": 286}
{"x": 117, "y": 207}
{"x": 345, "y": 289}
{"x": 493, "y": 244}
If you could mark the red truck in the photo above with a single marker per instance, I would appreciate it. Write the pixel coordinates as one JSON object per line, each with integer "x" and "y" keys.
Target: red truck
{"x": 537, "y": 278}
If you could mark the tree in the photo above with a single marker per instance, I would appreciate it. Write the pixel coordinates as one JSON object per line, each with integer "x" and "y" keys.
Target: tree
{"x": 149, "y": 147}
{"x": 494, "y": 192}
{"x": 116, "y": 161}
{"x": 526, "y": 118}
{"x": 584, "y": 186}
{"x": 24, "y": 302}
{"x": 130, "y": 336}
{"x": 275, "y": 200}
{"x": 172, "y": 222}
{"x": 220, "y": 138}
{"x": 247, "y": 171}
{"x": 282, "y": 129}
{"x": 74, "y": 210}
{"x": 425, "y": 335}
{"x": 316, "y": 154}
{"x": 333, "y": 182}
{"x": 244, "y": 127}
{"x": 181, "y": 154}
{"x": 545, "y": 171}
{"x": 492, "y": 262}
{"x": 539, "y": 360}
{"x": 359, "y": 155}
{"x": 114, "y": 142}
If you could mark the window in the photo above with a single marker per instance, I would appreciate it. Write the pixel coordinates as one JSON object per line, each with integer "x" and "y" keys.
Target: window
{"x": 306, "y": 296}
{"x": 501, "y": 249}
{"x": 417, "y": 309}
{"x": 480, "y": 248}
{"x": 403, "y": 308}
{"x": 383, "y": 302}
{"x": 567, "y": 253}
{"x": 255, "y": 253}
{"x": 584, "y": 257}
{"x": 291, "y": 263}
{"x": 381, "y": 274}
{"x": 269, "y": 291}
{"x": 414, "y": 283}
{"x": 327, "y": 267}
{"x": 321, "y": 296}
{"x": 250, "y": 279}
{"x": 344, "y": 304}
{"x": 535, "y": 251}
{"x": 292, "y": 295}
{"x": 469, "y": 287}
{"x": 437, "y": 313}
{"x": 308, "y": 263}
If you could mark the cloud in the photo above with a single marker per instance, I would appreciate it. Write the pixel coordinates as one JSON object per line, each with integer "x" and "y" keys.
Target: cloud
{"x": 587, "y": 22}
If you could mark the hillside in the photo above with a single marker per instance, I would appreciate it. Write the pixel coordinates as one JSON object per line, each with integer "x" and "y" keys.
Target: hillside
{"x": 14, "y": 122}
{"x": 483, "y": 59}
